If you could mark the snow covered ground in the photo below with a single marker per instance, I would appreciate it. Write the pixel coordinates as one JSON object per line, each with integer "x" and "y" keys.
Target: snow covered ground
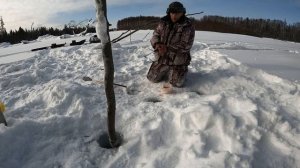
{"x": 276, "y": 57}
{"x": 229, "y": 114}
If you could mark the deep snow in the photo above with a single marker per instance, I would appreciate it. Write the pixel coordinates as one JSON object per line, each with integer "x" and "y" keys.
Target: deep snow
{"x": 227, "y": 115}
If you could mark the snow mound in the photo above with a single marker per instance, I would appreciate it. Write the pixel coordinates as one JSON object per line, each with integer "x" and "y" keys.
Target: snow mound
{"x": 45, "y": 37}
{"x": 294, "y": 51}
{"x": 4, "y": 45}
{"x": 227, "y": 115}
{"x": 28, "y": 42}
{"x": 233, "y": 46}
{"x": 66, "y": 36}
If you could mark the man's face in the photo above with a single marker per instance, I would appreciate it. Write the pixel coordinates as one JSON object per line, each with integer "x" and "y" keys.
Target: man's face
{"x": 175, "y": 16}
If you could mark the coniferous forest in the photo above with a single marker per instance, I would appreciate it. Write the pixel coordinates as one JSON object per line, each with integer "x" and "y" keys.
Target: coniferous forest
{"x": 17, "y": 36}
{"x": 276, "y": 29}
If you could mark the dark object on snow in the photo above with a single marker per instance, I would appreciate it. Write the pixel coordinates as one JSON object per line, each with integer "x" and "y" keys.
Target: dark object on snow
{"x": 86, "y": 78}
{"x": 95, "y": 39}
{"x": 54, "y": 45}
{"x": 77, "y": 43}
{"x": 42, "y": 48}
{"x": 2, "y": 119}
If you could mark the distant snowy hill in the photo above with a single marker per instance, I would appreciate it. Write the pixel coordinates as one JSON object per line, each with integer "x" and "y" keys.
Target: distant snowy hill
{"x": 232, "y": 112}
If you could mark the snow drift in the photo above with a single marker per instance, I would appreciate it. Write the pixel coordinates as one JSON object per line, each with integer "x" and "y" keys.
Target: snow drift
{"x": 227, "y": 115}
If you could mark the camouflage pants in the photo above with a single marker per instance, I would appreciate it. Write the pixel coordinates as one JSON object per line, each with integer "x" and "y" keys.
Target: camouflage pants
{"x": 175, "y": 74}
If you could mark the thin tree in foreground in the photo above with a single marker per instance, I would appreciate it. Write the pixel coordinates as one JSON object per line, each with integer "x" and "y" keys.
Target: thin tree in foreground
{"x": 103, "y": 33}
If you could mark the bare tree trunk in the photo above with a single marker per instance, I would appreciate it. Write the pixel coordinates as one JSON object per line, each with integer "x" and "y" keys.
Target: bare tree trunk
{"x": 103, "y": 33}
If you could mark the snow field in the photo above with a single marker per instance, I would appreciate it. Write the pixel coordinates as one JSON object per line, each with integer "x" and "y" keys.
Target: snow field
{"x": 227, "y": 115}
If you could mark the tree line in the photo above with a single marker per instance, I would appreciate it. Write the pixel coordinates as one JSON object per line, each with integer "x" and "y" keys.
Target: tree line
{"x": 276, "y": 29}
{"x": 16, "y": 36}
{"x": 139, "y": 22}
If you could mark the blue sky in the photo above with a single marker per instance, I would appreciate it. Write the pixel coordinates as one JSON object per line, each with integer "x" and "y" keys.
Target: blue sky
{"x": 55, "y": 13}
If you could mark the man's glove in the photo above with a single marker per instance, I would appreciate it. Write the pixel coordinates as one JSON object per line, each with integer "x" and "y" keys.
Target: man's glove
{"x": 161, "y": 48}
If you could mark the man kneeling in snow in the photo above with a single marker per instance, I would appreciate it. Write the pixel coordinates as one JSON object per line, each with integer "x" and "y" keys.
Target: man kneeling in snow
{"x": 172, "y": 41}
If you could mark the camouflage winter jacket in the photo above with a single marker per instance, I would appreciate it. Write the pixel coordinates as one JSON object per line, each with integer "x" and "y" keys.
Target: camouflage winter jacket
{"x": 178, "y": 37}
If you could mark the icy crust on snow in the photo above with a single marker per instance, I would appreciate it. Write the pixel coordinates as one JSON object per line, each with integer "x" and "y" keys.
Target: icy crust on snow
{"x": 227, "y": 115}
